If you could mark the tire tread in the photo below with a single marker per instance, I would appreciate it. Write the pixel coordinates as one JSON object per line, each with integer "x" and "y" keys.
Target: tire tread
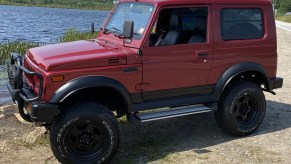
{"x": 222, "y": 117}
{"x": 75, "y": 109}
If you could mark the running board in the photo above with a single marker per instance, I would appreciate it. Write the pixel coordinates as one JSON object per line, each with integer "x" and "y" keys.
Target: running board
{"x": 172, "y": 112}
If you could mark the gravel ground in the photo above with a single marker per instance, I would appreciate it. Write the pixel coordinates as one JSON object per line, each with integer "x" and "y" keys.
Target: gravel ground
{"x": 191, "y": 139}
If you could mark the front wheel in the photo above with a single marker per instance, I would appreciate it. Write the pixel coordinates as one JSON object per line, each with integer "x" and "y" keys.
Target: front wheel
{"x": 241, "y": 109}
{"x": 85, "y": 133}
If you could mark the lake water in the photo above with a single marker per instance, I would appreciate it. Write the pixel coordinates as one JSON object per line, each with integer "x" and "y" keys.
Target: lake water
{"x": 44, "y": 25}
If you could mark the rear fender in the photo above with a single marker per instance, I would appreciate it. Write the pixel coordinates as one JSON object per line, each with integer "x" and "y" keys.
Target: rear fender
{"x": 235, "y": 70}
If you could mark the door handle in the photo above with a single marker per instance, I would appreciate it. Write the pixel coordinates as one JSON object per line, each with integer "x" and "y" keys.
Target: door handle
{"x": 202, "y": 54}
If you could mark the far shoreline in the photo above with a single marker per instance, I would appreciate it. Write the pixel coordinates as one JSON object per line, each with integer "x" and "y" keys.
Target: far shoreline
{"x": 108, "y": 8}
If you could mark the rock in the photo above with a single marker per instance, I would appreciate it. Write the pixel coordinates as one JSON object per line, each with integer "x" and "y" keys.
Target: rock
{"x": 2, "y": 116}
{"x": 21, "y": 120}
{"x": 36, "y": 136}
{"x": 8, "y": 110}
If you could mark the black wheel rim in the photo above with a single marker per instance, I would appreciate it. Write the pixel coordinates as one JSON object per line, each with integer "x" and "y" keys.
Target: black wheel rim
{"x": 246, "y": 109}
{"x": 86, "y": 140}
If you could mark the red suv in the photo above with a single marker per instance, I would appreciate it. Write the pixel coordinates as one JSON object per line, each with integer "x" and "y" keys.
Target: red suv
{"x": 180, "y": 57}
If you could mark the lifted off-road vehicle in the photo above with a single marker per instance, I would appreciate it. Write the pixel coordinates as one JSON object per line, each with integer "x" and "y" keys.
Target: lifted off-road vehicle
{"x": 182, "y": 56}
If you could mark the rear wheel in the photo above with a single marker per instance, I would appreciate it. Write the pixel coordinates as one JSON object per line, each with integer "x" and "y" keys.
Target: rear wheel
{"x": 241, "y": 109}
{"x": 85, "y": 133}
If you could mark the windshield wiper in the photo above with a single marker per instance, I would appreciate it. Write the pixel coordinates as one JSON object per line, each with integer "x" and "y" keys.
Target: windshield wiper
{"x": 114, "y": 30}
{"x": 111, "y": 28}
{"x": 136, "y": 34}
{"x": 121, "y": 35}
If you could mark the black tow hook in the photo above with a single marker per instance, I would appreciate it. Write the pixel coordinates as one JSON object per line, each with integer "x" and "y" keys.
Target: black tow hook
{"x": 267, "y": 90}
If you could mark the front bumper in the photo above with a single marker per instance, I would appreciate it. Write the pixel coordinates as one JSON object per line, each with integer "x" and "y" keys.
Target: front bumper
{"x": 26, "y": 99}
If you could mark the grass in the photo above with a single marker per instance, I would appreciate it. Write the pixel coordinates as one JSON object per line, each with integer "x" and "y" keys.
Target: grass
{"x": 44, "y": 141}
{"x": 26, "y": 145}
{"x": 286, "y": 18}
{"x": 19, "y": 47}
{"x": 73, "y": 35}
{"x": 150, "y": 149}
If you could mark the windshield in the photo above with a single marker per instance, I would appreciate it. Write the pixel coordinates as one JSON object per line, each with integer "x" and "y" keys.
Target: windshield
{"x": 139, "y": 13}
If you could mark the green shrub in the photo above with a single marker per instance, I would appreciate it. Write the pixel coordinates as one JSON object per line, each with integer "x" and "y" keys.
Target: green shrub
{"x": 20, "y": 47}
{"x": 73, "y": 35}
{"x": 285, "y": 6}
{"x": 276, "y": 3}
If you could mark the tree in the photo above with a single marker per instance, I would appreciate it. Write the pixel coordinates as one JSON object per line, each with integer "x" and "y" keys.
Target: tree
{"x": 276, "y": 3}
{"x": 285, "y": 6}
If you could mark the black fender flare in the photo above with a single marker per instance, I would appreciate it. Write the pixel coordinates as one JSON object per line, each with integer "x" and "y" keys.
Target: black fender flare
{"x": 88, "y": 82}
{"x": 235, "y": 70}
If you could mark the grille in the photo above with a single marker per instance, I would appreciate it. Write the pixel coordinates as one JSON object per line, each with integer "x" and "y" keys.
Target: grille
{"x": 28, "y": 79}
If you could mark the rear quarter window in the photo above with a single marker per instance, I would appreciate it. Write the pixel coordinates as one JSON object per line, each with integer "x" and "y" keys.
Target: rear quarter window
{"x": 241, "y": 24}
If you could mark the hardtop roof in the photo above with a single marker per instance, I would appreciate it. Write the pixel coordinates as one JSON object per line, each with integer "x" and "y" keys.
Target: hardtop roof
{"x": 169, "y": 2}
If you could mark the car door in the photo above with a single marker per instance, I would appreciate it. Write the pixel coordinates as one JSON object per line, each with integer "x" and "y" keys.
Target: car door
{"x": 182, "y": 68}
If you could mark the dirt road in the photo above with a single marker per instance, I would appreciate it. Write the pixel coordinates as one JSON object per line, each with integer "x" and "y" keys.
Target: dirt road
{"x": 191, "y": 139}
{"x": 284, "y": 25}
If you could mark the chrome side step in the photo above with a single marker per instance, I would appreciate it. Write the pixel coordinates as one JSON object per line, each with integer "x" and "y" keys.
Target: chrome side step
{"x": 172, "y": 112}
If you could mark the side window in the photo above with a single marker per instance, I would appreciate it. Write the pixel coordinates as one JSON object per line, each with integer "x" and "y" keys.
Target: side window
{"x": 241, "y": 24}
{"x": 180, "y": 26}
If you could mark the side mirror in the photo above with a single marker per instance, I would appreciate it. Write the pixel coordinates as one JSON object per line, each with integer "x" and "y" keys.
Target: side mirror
{"x": 128, "y": 29}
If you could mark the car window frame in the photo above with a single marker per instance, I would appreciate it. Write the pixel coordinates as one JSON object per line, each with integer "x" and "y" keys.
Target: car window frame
{"x": 157, "y": 16}
{"x": 221, "y": 23}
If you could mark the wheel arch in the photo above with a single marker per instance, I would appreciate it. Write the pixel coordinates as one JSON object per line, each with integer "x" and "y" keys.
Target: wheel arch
{"x": 91, "y": 83}
{"x": 239, "y": 71}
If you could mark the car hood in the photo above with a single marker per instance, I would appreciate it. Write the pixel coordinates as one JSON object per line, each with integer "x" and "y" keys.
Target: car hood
{"x": 76, "y": 55}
